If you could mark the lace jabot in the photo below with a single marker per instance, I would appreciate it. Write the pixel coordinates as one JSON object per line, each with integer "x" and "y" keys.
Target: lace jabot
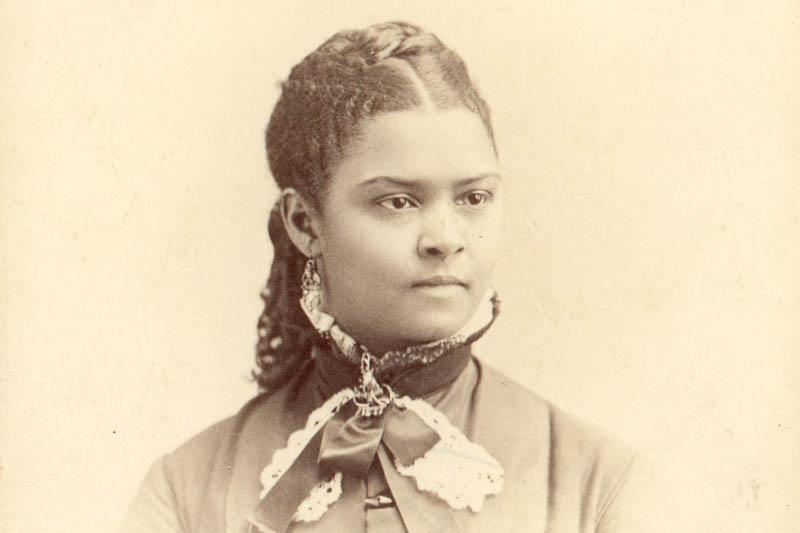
{"x": 376, "y": 403}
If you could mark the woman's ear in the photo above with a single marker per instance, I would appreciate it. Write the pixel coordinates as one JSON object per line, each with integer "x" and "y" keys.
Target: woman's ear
{"x": 301, "y": 221}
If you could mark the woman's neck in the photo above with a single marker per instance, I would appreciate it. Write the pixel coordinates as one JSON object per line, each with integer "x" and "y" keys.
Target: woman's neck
{"x": 378, "y": 344}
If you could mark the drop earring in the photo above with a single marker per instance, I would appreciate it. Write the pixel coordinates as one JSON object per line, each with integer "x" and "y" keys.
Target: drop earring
{"x": 310, "y": 283}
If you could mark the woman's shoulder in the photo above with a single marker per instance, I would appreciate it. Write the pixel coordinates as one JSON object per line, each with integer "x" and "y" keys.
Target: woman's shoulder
{"x": 539, "y": 421}
{"x": 200, "y": 449}
{"x": 170, "y": 496}
{"x": 545, "y": 450}
{"x": 214, "y": 445}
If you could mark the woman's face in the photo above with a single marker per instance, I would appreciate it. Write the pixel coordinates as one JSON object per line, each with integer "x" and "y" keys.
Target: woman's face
{"x": 410, "y": 227}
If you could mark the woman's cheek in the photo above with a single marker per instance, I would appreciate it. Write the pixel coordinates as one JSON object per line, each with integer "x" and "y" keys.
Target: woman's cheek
{"x": 486, "y": 245}
{"x": 362, "y": 244}
{"x": 391, "y": 249}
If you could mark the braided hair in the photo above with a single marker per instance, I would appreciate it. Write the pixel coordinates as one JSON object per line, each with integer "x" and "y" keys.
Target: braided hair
{"x": 354, "y": 75}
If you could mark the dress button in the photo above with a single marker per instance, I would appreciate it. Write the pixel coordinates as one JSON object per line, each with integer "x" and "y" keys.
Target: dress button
{"x": 379, "y": 502}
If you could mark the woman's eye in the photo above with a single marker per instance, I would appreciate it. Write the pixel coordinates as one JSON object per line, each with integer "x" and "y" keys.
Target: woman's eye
{"x": 475, "y": 198}
{"x": 397, "y": 203}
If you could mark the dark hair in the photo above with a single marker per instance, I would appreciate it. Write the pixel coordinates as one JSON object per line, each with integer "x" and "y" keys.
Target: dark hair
{"x": 347, "y": 79}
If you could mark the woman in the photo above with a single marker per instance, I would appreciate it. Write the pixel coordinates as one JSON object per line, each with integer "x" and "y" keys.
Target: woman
{"x": 374, "y": 413}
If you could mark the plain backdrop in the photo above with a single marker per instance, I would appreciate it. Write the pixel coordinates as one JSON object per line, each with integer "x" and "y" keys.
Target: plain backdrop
{"x": 650, "y": 273}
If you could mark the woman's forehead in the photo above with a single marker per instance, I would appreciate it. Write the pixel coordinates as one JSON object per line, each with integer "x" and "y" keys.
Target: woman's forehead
{"x": 417, "y": 145}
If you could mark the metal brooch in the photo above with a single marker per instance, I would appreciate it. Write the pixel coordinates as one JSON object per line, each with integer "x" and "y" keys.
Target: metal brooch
{"x": 371, "y": 398}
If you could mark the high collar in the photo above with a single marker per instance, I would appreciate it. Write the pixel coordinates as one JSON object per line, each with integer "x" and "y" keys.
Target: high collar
{"x": 414, "y": 380}
{"x": 339, "y": 345}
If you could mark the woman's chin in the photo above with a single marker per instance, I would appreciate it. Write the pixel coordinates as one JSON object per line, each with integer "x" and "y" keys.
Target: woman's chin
{"x": 434, "y": 328}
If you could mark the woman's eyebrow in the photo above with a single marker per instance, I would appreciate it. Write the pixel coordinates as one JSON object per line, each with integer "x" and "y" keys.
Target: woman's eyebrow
{"x": 411, "y": 182}
{"x": 479, "y": 177}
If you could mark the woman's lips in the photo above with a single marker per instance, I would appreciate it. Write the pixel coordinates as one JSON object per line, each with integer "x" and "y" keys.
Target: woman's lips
{"x": 440, "y": 281}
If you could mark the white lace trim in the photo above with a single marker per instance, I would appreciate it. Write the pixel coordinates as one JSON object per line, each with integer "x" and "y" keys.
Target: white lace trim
{"x": 482, "y": 316}
{"x": 322, "y": 496}
{"x": 460, "y": 472}
{"x": 283, "y": 458}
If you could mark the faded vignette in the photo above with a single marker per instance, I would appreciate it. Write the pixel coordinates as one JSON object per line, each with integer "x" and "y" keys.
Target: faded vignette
{"x": 649, "y": 271}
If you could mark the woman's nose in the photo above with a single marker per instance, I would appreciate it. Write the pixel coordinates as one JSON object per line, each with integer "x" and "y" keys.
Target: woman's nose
{"x": 441, "y": 236}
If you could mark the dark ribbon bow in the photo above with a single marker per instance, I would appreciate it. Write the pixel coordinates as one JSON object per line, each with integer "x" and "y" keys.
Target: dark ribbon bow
{"x": 349, "y": 442}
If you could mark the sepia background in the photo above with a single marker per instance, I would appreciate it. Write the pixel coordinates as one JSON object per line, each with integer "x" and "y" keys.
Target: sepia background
{"x": 650, "y": 273}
